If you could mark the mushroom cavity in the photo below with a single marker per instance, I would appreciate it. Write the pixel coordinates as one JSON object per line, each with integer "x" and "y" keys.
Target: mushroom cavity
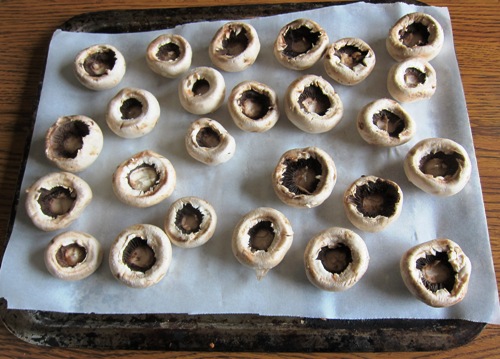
{"x": 169, "y": 55}
{"x": 412, "y": 80}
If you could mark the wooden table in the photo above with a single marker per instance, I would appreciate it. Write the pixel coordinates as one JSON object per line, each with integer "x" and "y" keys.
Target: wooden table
{"x": 25, "y": 30}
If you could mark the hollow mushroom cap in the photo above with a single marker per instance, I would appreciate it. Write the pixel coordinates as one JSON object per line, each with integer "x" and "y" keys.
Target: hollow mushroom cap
{"x": 190, "y": 222}
{"x": 169, "y": 55}
{"x": 132, "y": 113}
{"x": 207, "y": 141}
{"x": 328, "y": 240}
{"x": 56, "y": 200}
{"x": 202, "y": 90}
{"x": 406, "y": 40}
{"x": 384, "y": 122}
{"x": 349, "y": 61}
{"x": 412, "y": 80}
{"x": 413, "y": 276}
{"x": 262, "y": 260}
{"x": 312, "y": 104}
{"x": 73, "y": 255}
{"x": 156, "y": 240}
{"x": 99, "y": 67}
{"x": 371, "y": 203}
{"x": 310, "y": 165}
{"x": 253, "y": 106}
{"x": 73, "y": 143}
{"x": 234, "y": 47}
{"x": 300, "y": 44}
{"x": 447, "y": 155}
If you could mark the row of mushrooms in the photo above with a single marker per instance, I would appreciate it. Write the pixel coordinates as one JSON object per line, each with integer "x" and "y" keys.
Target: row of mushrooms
{"x": 436, "y": 272}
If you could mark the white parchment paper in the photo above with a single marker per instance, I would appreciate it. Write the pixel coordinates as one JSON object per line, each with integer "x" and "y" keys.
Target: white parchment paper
{"x": 209, "y": 279}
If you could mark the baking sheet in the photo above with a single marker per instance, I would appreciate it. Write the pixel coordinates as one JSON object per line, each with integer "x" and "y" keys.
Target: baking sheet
{"x": 209, "y": 279}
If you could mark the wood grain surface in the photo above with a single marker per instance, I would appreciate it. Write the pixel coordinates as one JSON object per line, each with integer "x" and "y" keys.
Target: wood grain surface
{"x": 26, "y": 27}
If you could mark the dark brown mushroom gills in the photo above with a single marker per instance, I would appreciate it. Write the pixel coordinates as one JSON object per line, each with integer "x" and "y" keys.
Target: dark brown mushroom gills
{"x": 138, "y": 256}
{"x": 335, "y": 259}
{"x": 440, "y": 164}
{"x": 131, "y": 108}
{"x": 168, "y": 52}
{"x": 389, "y": 122}
{"x": 313, "y": 100}
{"x": 255, "y": 105}
{"x": 188, "y": 219}
{"x": 415, "y": 34}
{"x": 71, "y": 255}
{"x": 67, "y": 139}
{"x": 261, "y": 236}
{"x": 299, "y": 41}
{"x": 351, "y": 56}
{"x": 99, "y": 63}
{"x": 143, "y": 178}
{"x": 436, "y": 272}
{"x": 414, "y": 77}
{"x": 302, "y": 176}
{"x": 234, "y": 43}
{"x": 207, "y": 137}
{"x": 377, "y": 198}
{"x": 201, "y": 87}
{"x": 56, "y": 201}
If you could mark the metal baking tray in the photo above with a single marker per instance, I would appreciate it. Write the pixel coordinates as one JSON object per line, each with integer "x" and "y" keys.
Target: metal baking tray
{"x": 221, "y": 332}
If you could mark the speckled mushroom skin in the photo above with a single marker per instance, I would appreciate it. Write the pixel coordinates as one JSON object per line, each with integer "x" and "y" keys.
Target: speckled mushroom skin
{"x": 173, "y": 66}
{"x": 399, "y": 88}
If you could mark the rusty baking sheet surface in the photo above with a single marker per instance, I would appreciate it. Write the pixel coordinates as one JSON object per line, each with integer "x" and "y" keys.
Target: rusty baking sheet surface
{"x": 222, "y": 332}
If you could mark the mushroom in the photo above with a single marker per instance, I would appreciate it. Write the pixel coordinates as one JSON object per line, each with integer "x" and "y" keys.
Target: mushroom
{"x": 349, "y": 61}
{"x": 202, "y": 90}
{"x": 208, "y": 141}
{"x": 437, "y": 272}
{"x": 438, "y": 166}
{"x": 261, "y": 239}
{"x": 169, "y": 55}
{"x": 73, "y": 255}
{"x": 99, "y": 67}
{"x": 415, "y": 35}
{"x": 234, "y": 47}
{"x": 190, "y": 222}
{"x": 371, "y": 203}
{"x": 73, "y": 142}
{"x": 304, "y": 177}
{"x": 300, "y": 44}
{"x": 312, "y": 104}
{"x": 133, "y": 113}
{"x": 144, "y": 180}
{"x": 412, "y": 80}
{"x": 336, "y": 259}
{"x": 56, "y": 200}
{"x": 140, "y": 255}
{"x": 385, "y": 122}
{"x": 253, "y": 106}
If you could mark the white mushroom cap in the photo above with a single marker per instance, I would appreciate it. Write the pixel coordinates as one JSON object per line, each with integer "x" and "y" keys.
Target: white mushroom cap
{"x": 73, "y": 255}
{"x": 145, "y": 246}
{"x": 385, "y": 122}
{"x": 190, "y": 222}
{"x": 208, "y": 141}
{"x": 169, "y": 55}
{"x": 73, "y": 142}
{"x": 144, "y": 180}
{"x": 202, "y": 90}
{"x": 340, "y": 250}
{"x": 415, "y": 35}
{"x": 304, "y": 177}
{"x": 56, "y": 200}
{"x": 438, "y": 166}
{"x": 444, "y": 260}
{"x": 99, "y": 67}
{"x": 312, "y": 104}
{"x": 371, "y": 203}
{"x": 133, "y": 113}
{"x": 300, "y": 44}
{"x": 234, "y": 47}
{"x": 253, "y": 106}
{"x": 349, "y": 61}
{"x": 412, "y": 80}
{"x": 273, "y": 232}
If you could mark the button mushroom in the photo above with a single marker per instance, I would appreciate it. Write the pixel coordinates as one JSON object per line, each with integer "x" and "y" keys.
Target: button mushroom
{"x": 73, "y": 255}
{"x": 234, "y": 47}
{"x": 436, "y": 272}
{"x": 412, "y": 80}
{"x": 336, "y": 259}
{"x": 438, "y": 166}
{"x": 56, "y": 200}
{"x": 169, "y": 55}
{"x": 99, "y": 67}
{"x": 261, "y": 239}
{"x": 144, "y": 180}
